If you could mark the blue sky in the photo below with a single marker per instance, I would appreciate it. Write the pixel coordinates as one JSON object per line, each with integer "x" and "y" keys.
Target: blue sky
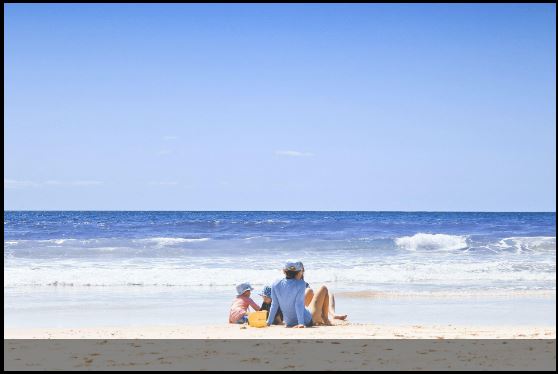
{"x": 280, "y": 107}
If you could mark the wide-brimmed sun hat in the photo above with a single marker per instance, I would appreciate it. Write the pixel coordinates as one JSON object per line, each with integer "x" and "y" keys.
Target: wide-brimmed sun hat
{"x": 243, "y": 287}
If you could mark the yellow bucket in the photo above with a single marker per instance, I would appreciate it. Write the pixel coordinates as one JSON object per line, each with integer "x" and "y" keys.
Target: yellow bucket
{"x": 258, "y": 319}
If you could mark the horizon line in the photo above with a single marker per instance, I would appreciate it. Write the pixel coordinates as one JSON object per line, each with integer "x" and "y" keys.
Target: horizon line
{"x": 285, "y": 211}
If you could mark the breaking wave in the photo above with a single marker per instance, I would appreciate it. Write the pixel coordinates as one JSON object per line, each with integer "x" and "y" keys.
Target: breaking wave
{"x": 426, "y": 242}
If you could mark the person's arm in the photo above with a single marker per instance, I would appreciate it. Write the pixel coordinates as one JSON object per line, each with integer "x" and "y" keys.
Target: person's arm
{"x": 299, "y": 307}
{"x": 274, "y": 307}
{"x": 253, "y": 304}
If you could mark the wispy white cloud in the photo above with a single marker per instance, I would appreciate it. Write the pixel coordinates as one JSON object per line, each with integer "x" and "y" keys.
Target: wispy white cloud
{"x": 163, "y": 183}
{"x": 86, "y": 183}
{"x": 52, "y": 183}
{"x": 71, "y": 183}
{"x": 14, "y": 184}
{"x": 293, "y": 153}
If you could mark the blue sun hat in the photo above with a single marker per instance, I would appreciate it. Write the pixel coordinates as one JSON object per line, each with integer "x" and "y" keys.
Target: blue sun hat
{"x": 243, "y": 287}
{"x": 266, "y": 292}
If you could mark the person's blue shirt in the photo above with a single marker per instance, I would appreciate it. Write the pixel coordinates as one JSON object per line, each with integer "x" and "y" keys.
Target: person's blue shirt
{"x": 288, "y": 295}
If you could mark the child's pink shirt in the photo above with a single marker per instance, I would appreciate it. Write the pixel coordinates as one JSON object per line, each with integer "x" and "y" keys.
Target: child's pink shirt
{"x": 239, "y": 308}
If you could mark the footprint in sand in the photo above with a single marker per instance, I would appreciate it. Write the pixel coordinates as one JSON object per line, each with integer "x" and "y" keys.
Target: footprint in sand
{"x": 253, "y": 359}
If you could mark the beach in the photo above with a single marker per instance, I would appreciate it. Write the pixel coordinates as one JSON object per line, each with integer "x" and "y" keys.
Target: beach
{"x": 152, "y": 290}
{"x": 309, "y": 349}
{"x": 344, "y": 346}
{"x": 130, "y": 273}
{"x": 380, "y": 176}
{"x": 338, "y": 331}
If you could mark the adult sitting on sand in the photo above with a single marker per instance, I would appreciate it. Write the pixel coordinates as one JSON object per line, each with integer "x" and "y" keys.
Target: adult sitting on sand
{"x": 288, "y": 295}
{"x": 309, "y": 295}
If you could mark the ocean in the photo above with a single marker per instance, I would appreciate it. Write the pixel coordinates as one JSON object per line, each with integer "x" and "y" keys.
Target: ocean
{"x": 148, "y": 268}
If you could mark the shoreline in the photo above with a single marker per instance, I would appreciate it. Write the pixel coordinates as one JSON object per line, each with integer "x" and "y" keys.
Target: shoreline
{"x": 344, "y": 330}
{"x": 473, "y": 294}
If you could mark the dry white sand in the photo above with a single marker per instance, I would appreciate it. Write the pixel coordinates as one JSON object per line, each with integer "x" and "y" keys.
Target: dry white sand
{"x": 342, "y": 330}
{"x": 345, "y": 346}
{"x": 280, "y": 354}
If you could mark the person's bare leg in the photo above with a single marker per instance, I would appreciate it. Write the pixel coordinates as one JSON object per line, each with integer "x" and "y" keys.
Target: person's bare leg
{"x": 342, "y": 317}
{"x": 331, "y": 303}
{"x": 325, "y": 308}
{"x": 308, "y": 295}
{"x": 319, "y": 307}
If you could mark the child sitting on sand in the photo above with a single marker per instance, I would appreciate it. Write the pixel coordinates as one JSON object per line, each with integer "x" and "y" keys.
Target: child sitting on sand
{"x": 266, "y": 305}
{"x": 239, "y": 307}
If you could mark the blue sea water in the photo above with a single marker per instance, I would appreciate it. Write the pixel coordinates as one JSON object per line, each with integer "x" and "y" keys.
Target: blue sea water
{"x": 52, "y": 259}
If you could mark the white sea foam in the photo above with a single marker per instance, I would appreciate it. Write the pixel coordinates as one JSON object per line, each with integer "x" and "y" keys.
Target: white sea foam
{"x": 93, "y": 243}
{"x": 226, "y": 272}
{"x": 528, "y": 243}
{"x": 161, "y": 242}
{"x": 54, "y": 241}
{"x": 254, "y": 237}
{"x": 272, "y": 221}
{"x": 429, "y": 260}
{"x": 422, "y": 241}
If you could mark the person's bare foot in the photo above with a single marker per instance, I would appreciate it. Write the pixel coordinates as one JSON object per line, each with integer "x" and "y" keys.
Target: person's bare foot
{"x": 320, "y": 321}
{"x": 339, "y": 316}
{"x": 325, "y": 322}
